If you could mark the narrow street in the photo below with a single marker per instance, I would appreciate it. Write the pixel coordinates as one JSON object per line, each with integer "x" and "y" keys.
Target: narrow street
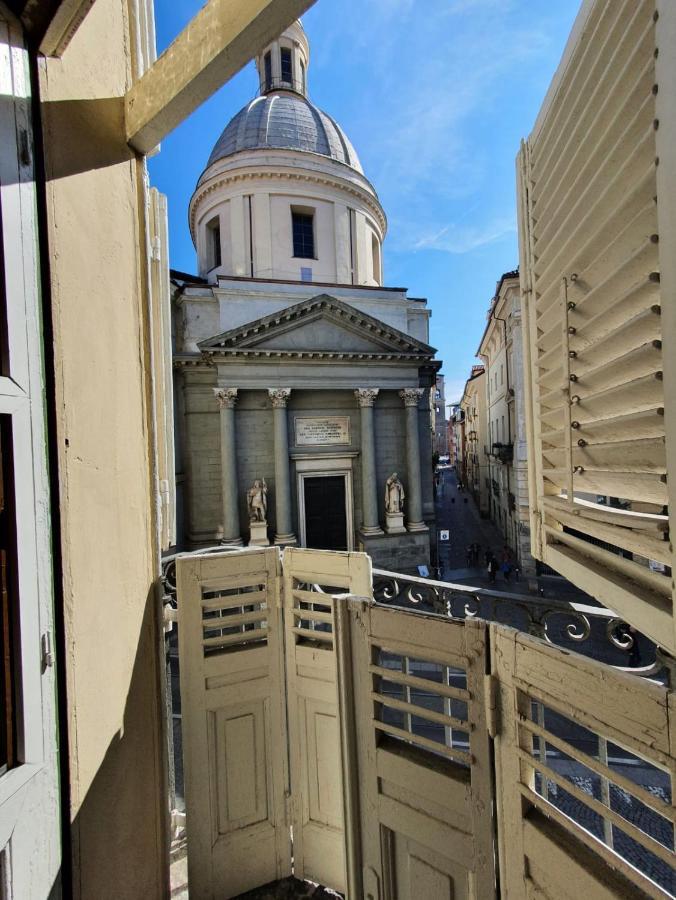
{"x": 457, "y": 512}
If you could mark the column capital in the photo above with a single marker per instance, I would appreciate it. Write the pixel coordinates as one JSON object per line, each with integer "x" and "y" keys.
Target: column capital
{"x": 226, "y": 397}
{"x": 411, "y": 396}
{"x": 366, "y": 396}
{"x": 279, "y": 397}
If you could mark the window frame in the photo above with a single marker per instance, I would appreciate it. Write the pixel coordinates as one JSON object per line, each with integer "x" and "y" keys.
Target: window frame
{"x": 307, "y": 213}
{"x": 283, "y": 51}
{"x": 22, "y": 402}
{"x": 214, "y": 248}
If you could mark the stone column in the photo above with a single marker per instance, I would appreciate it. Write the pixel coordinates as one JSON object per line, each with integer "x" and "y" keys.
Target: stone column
{"x": 227, "y": 397}
{"x": 366, "y": 397}
{"x": 284, "y": 535}
{"x": 414, "y": 517}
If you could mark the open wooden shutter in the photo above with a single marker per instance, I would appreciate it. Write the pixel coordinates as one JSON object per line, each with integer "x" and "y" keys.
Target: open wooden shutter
{"x": 597, "y": 235}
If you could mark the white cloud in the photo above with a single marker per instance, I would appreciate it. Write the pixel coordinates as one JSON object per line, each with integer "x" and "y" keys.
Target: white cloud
{"x": 454, "y": 238}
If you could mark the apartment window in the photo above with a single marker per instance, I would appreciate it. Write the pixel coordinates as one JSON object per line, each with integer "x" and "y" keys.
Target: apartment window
{"x": 267, "y": 65}
{"x": 303, "y": 81}
{"x": 502, "y": 374}
{"x": 213, "y": 239}
{"x": 303, "y": 223}
{"x": 287, "y": 70}
{"x": 502, "y": 427}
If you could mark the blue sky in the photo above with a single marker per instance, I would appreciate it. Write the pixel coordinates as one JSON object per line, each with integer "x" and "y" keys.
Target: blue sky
{"x": 435, "y": 95}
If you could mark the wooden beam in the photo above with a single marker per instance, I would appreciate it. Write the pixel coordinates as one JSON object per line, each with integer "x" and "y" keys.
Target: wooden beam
{"x": 216, "y": 44}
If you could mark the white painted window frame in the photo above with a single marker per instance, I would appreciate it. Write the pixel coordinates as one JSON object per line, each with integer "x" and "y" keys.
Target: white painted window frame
{"x": 22, "y": 399}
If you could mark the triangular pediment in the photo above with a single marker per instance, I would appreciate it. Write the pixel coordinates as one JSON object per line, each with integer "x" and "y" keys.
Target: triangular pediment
{"x": 320, "y": 326}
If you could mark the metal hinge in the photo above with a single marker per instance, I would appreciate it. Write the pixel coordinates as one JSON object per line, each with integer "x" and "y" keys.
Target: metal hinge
{"x": 491, "y": 701}
{"x": 46, "y": 651}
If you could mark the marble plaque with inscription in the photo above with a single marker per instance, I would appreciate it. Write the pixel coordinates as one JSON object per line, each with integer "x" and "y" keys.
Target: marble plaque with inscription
{"x": 322, "y": 430}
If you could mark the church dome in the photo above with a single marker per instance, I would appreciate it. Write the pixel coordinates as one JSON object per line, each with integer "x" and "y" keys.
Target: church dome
{"x": 284, "y": 120}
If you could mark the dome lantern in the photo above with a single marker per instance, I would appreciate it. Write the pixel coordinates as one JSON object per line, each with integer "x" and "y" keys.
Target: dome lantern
{"x": 283, "y": 64}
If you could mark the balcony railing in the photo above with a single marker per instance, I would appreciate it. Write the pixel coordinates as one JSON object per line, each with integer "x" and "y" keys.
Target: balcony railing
{"x": 591, "y": 630}
{"x": 504, "y": 453}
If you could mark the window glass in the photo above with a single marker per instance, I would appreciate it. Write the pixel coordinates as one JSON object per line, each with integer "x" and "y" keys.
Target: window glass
{"x": 303, "y": 234}
{"x": 213, "y": 237}
{"x": 287, "y": 71}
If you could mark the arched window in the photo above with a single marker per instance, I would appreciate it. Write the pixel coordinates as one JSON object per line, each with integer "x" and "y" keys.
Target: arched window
{"x": 287, "y": 68}
{"x": 212, "y": 234}
{"x": 375, "y": 258}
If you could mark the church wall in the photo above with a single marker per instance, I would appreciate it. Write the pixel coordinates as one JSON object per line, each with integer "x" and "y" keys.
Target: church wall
{"x": 202, "y": 455}
{"x": 255, "y": 452}
{"x": 255, "y": 449}
{"x": 390, "y": 444}
{"x": 272, "y": 196}
{"x": 284, "y": 264}
{"x": 203, "y": 314}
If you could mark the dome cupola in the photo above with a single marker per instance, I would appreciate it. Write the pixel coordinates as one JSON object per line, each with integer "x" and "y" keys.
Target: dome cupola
{"x": 283, "y": 195}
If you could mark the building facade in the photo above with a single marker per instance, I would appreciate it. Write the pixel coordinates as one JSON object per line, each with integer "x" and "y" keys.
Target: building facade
{"x": 501, "y": 350}
{"x": 438, "y": 406}
{"x": 295, "y": 365}
{"x": 475, "y": 438}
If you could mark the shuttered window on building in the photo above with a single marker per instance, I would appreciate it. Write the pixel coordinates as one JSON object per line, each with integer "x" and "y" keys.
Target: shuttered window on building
{"x": 597, "y": 237}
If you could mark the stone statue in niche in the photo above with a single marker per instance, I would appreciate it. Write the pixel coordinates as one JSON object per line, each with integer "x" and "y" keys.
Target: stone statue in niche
{"x": 394, "y": 505}
{"x": 257, "y": 500}
{"x": 394, "y": 494}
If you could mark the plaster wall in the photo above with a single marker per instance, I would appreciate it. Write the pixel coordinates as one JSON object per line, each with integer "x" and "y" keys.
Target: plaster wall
{"x": 95, "y": 208}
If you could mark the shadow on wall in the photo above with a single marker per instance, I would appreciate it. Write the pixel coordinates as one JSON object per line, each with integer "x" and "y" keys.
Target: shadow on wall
{"x": 120, "y": 832}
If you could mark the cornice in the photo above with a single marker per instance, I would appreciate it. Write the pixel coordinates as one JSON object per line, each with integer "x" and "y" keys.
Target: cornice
{"x": 327, "y": 181}
{"x": 218, "y": 354}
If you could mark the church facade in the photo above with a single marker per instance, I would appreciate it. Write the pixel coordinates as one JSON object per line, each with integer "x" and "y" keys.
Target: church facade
{"x": 302, "y": 383}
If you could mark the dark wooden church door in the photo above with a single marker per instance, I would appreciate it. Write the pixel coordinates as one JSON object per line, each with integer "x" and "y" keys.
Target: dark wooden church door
{"x": 325, "y": 513}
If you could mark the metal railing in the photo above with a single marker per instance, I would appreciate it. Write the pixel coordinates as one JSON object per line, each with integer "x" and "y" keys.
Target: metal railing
{"x": 593, "y": 631}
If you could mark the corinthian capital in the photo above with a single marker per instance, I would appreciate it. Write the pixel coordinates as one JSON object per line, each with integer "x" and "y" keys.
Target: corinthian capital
{"x": 279, "y": 397}
{"x": 226, "y": 397}
{"x": 366, "y": 396}
{"x": 411, "y": 396}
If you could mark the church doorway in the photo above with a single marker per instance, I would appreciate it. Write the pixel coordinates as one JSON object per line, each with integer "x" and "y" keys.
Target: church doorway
{"x": 325, "y": 510}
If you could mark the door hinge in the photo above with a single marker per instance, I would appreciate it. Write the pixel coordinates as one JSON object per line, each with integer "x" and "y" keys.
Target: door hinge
{"x": 491, "y": 702}
{"x": 46, "y": 651}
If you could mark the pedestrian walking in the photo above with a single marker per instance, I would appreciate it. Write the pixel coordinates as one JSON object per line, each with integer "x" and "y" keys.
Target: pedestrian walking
{"x": 468, "y": 556}
{"x": 492, "y": 568}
